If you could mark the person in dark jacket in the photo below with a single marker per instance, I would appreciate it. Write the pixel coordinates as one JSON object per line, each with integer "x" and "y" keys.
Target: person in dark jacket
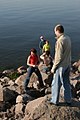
{"x": 41, "y": 44}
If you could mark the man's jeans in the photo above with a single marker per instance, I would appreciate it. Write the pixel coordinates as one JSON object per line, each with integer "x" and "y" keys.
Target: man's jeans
{"x": 61, "y": 77}
{"x": 29, "y": 73}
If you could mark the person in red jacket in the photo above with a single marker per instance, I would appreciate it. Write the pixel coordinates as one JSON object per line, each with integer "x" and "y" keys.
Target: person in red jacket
{"x": 32, "y": 62}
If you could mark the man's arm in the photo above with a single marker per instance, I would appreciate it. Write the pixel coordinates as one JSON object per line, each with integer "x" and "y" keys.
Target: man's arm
{"x": 58, "y": 56}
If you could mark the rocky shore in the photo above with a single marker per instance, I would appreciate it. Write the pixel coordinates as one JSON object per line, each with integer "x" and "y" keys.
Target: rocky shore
{"x": 15, "y": 104}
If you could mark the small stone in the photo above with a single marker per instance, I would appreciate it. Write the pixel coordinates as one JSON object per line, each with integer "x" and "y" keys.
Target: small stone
{"x": 11, "y": 83}
{"x": 19, "y": 99}
{"x": 19, "y": 108}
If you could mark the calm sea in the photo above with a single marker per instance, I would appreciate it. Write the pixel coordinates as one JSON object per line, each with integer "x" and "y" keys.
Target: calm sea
{"x": 22, "y": 22}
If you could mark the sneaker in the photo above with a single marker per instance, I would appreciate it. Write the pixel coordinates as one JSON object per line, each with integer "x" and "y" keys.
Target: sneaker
{"x": 51, "y": 103}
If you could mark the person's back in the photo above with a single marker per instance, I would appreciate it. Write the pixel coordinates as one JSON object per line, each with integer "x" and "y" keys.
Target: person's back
{"x": 63, "y": 47}
{"x": 61, "y": 66}
{"x": 47, "y": 60}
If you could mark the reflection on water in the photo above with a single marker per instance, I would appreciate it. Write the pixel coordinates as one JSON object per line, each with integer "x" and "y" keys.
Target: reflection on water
{"x": 23, "y": 21}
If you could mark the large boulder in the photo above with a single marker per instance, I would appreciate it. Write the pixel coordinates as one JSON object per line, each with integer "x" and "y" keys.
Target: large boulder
{"x": 40, "y": 109}
{"x": 20, "y": 80}
{"x": 32, "y": 106}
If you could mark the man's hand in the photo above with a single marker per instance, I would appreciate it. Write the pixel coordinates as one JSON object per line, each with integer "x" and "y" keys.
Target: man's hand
{"x": 34, "y": 65}
{"x": 52, "y": 71}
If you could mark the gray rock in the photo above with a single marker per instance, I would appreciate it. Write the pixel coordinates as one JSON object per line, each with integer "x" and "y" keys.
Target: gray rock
{"x": 5, "y": 80}
{"x": 11, "y": 83}
{"x": 19, "y": 108}
{"x": 19, "y": 99}
{"x": 40, "y": 109}
{"x": 79, "y": 68}
{"x": 9, "y": 95}
{"x": 32, "y": 106}
{"x": 27, "y": 98}
{"x": 1, "y": 93}
{"x": 20, "y": 80}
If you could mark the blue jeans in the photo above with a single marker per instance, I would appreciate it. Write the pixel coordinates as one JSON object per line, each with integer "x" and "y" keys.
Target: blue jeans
{"x": 61, "y": 77}
{"x": 29, "y": 73}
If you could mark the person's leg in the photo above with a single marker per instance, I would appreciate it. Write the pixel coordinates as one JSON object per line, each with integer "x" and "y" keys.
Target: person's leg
{"x": 39, "y": 77}
{"x": 56, "y": 84}
{"x": 29, "y": 73}
{"x": 66, "y": 84}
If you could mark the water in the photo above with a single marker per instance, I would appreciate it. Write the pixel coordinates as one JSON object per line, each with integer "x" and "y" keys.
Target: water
{"x": 23, "y": 21}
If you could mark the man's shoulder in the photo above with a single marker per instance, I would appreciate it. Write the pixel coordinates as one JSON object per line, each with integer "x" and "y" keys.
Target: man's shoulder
{"x": 64, "y": 38}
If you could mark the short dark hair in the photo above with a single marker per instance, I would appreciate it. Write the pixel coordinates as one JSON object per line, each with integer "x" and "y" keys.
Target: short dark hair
{"x": 60, "y": 28}
{"x": 33, "y": 50}
{"x": 47, "y": 41}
